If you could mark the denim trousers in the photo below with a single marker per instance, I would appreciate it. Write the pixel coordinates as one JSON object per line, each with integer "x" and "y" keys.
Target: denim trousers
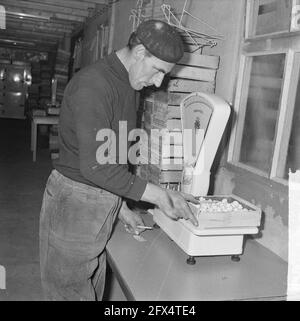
{"x": 76, "y": 222}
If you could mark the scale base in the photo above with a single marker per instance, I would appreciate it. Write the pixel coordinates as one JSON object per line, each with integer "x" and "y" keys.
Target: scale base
{"x": 211, "y": 242}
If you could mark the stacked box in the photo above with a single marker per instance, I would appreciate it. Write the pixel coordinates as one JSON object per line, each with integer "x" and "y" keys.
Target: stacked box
{"x": 61, "y": 73}
{"x": 35, "y": 72}
{"x": 33, "y": 95}
{"x": 62, "y": 81}
{"x": 53, "y": 142}
{"x": 39, "y": 92}
{"x": 39, "y": 112}
{"x": 34, "y": 88}
{"x": 53, "y": 111}
{"x": 62, "y": 56}
{"x": 45, "y": 85}
{"x": 162, "y": 158}
{"x": 160, "y": 122}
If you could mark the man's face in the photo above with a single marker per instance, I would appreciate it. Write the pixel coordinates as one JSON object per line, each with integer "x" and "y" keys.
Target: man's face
{"x": 148, "y": 71}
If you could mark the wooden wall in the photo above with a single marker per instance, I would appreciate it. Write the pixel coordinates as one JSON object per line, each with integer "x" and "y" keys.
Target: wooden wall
{"x": 226, "y": 16}
{"x": 122, "y": 24}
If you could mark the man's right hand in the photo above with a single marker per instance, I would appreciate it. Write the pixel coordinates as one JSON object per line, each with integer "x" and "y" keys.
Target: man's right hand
{"x": 171, "y": 203}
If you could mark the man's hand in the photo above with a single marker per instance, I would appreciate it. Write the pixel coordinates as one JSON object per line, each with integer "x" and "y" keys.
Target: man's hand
{"x": 171, "y": 203}
{"x": 131, "y": 219}
{"x": 174, "y": 204}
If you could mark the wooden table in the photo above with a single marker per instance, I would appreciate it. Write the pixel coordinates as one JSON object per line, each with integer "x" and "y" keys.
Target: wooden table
{"x": 40, "y": 120}
{"x": 156, "y": 270}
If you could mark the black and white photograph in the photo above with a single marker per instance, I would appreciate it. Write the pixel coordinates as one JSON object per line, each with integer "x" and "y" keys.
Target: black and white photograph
{"x": 150, "y": 151}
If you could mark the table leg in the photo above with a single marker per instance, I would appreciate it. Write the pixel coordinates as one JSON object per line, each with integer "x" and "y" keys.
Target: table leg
{"x": 31, "y": 141}
{"x": 34, "y": 141}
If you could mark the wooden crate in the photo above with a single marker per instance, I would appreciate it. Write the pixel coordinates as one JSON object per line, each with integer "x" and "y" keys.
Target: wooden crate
{"x": 187, "y": 72}
{"x": 188, "y": 86}
{"x": 197, "y": 60}
{"x": 232, "y": 219}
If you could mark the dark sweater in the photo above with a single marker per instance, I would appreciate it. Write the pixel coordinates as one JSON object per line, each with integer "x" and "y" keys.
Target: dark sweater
{"x": 97, "y": 97}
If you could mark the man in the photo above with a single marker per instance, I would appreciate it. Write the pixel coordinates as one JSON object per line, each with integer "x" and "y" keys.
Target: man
{"x": 83, "y": 196}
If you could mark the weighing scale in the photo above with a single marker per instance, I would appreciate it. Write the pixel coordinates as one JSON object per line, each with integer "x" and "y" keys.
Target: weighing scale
{"x": 204, "y": 118}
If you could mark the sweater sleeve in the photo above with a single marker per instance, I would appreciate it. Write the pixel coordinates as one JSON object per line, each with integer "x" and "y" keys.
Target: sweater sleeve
{"x": 92, "y": 112}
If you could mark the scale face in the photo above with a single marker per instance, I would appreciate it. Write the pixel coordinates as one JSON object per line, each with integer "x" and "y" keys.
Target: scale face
{"x": 195, "y": 116}
{"x": 204, "y": 118}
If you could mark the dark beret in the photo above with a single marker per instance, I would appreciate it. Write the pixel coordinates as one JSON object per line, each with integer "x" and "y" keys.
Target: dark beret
{"x": 161, "y": 40}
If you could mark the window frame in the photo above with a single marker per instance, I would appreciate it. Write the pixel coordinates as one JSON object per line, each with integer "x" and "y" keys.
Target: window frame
{"x": 287, "y": 43}
{"x": 251, "y": 20}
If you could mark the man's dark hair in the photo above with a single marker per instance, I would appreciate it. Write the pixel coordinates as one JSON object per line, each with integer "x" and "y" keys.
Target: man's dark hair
{"x": 133, "y": 41}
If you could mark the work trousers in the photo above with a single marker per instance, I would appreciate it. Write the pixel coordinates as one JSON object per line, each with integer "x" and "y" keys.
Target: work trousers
{"x": 76, "y": 222}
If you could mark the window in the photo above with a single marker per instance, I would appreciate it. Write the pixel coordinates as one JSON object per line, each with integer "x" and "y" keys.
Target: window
{"x": 293, "y": 153}
{"x": 270, "y": 16}
{"x": 261, "y": 112}
{"x": 266, "y": 133}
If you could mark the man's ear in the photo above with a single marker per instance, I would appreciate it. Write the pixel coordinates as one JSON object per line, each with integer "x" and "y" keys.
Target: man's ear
{"x": 139, "y": 52}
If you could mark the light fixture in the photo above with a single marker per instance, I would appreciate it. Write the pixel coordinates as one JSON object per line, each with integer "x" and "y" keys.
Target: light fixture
{"x": 22, "y": 15}
{"x": 17, "y": 42}
{"x": 17, "y": 78}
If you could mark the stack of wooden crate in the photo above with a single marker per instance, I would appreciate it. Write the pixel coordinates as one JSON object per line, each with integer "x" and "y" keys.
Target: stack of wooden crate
{"x": 45, "y": 86}
{"x": 162, "y": 162}
{"x": 61, "y": 72}
{"x": 34, "y": 89}
{"x": 53, "y": 142}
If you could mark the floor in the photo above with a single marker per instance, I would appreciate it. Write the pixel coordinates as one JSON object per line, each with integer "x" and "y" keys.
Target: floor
{"x": 21, "y": 188}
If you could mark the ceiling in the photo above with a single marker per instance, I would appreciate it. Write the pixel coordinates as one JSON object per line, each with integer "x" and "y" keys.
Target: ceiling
{"x": 41, "y": 24}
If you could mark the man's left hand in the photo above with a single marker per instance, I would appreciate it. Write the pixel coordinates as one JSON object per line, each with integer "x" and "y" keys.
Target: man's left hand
{"x": 131, "y": 220}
